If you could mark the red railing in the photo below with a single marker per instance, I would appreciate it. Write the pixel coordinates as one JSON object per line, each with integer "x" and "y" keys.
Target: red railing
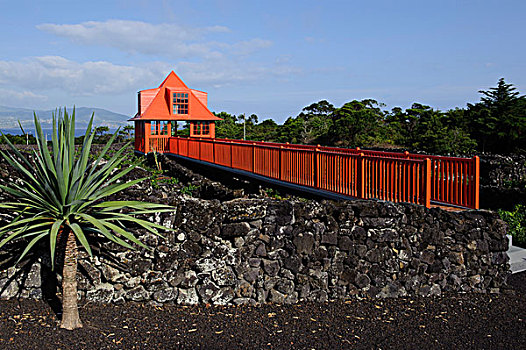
{"x": 391, "y": 176}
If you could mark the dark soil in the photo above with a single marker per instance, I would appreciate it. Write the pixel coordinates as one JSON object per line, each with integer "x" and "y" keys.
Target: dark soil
{"x": 452, "y": 321}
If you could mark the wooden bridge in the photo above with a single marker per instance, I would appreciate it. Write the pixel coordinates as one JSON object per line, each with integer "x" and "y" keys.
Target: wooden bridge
{"x": 391, "y": 176}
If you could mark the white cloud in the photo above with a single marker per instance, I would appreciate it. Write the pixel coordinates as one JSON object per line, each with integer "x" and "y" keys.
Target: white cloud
{"x": 88, "y": 78}
{"x": 17, "y": 97}
{"x": 164, "y": 39}
{"x": 43, "y": 75}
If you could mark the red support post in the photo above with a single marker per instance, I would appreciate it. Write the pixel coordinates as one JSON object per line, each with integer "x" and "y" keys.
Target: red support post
{"x": 476, "y": 182}
{"x": 427, "y": 183}
{"x": 147, "y": 131}
{"x": 253, "y": 157}
{"x": 279, "y": 163}
{"x": 316, "y": 167}
{"x": 214, "y": 150}
{"x": 231, "y": 155}
{"x": 361, "y": 176}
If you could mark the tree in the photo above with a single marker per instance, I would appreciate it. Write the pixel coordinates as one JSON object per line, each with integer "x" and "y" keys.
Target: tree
{"x": 357, "y": 123}
{"x": 498, "y": 121}
{"x": 267, "y": 130}
{"x": 228, "y": 127}
{"x": 127, "y": 131}
{"x": 60, "y": 197}
{"x": 317, "y": 123}
{"x": 99, "y": 130}
{"x": 292, "y": 130}
{"x": 424, "y": 128}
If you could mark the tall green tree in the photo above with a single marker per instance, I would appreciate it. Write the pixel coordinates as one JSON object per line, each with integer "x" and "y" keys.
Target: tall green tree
{"x": 498, "y": 121}
{"x": 317, "y": 122}
{"x": 60, "y": 200}
{"x": 228, "y": 128}
{"x": 267, "y": 130}
{"x": 292, "y": 130}
{"x": 357, "y": 123}
{"x": 426, "y": 129}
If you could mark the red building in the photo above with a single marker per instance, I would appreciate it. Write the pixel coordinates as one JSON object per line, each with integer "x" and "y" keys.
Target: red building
{"x": 161, "y": 108}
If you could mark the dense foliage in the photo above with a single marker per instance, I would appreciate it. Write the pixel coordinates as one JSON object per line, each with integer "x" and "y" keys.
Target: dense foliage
{"x": 497, "y": 123}
{"x": 516, "y": 220}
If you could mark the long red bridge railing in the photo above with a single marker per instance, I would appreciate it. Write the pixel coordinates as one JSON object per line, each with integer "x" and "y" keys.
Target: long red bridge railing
{"x": 390, "y": 176}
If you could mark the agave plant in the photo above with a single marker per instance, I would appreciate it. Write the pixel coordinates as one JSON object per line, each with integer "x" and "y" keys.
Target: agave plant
{"x": 60, "y": 197}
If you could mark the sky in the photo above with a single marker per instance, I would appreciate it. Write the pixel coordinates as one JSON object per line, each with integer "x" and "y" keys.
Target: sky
{"x": 271, "y": 58}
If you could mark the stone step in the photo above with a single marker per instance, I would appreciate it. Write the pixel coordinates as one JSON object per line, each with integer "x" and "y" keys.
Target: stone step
{"x": 517, "y": 259}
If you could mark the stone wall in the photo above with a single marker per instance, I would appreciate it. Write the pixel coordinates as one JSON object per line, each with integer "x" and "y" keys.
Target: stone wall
{"x": 264, "y": 250}
{"x": 502, "y": 180}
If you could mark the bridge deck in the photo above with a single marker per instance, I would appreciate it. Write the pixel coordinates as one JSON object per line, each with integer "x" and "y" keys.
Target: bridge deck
{"x": 337, "y": 172}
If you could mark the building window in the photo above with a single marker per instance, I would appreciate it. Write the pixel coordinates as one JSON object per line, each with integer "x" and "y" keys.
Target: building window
{"x": 201, "y": 128}
{"x": 180, "y": 103}
{"x": 155, "y": 126}
{"x": 164, "y": 128}
{"x": 205, "y": 129}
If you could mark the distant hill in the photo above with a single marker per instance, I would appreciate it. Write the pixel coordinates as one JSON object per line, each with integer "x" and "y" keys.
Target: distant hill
{"x": 9, "y": 117}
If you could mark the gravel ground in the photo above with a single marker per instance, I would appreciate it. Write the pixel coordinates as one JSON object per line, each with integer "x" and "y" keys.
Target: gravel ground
{"x": 451, "y": 321}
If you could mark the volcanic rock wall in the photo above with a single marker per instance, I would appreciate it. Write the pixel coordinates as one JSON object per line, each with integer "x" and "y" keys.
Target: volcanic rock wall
{"x": 502, "y": 180}
{"x": 264, "y": 250}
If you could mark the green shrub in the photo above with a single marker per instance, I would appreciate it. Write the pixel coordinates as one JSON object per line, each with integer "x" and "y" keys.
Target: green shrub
{"x": 189, "y": 190}
{"x": 516, "y": 220}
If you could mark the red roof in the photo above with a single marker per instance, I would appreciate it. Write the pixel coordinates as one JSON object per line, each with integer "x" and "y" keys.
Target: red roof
{"x": 156, "y": 104}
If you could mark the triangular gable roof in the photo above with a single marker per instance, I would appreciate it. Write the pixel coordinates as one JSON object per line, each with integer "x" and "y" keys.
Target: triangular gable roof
{"x": 160, "y": 107}
{"x": 172, "y": 80}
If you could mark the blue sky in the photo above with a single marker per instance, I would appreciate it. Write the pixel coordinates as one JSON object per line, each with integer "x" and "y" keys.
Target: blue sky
{"x": 269, "y": 57}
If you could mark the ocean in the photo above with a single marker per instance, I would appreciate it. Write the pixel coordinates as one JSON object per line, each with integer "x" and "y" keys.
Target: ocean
{"x": 46, "y": 131}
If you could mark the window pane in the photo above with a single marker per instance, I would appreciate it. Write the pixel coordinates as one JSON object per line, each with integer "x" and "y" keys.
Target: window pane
{"x": 180, "y": 103}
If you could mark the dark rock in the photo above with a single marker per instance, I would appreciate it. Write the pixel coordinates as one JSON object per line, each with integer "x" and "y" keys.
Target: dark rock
{"x": 207, "y": 291}
{"x": 244, "y": 289}
{"x": 330, "y": 239}
{"x": 165, "y": 295}
{"x": 271, "y": 267}
{"x": 428, "y": 257}
{"x": 362, "y": 280}
{"x": 103, "y": 293}
{"x": 284, "y": 286}
{"x": 375, "y": 255}
{"x": 254, "y": 262}
{"x": 261, "y": 250}
{"x": 358, "y": 234}
{"x": 304, "y": 243}
{"x": 345, "y": 243}
{"x": 361, "y": 250}
{"x": 252, "y": 275}
{"x": 137, "y": 294}
{"x": 276, "y": 297}
{"x": 189, "y": 279}
{"x": 293, "y": 263}
{"x": 224, "y": 296}
{"x": 238, "y": 229}
{"x": 187, "y": 296}
{"x": 224, "y": 276}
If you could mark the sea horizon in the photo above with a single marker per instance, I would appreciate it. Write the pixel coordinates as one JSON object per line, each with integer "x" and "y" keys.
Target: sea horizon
{"x": 46, "y": 131}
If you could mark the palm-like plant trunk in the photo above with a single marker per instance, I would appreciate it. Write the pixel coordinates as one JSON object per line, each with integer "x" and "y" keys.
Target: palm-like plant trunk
{"x": 70, "y": 311}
